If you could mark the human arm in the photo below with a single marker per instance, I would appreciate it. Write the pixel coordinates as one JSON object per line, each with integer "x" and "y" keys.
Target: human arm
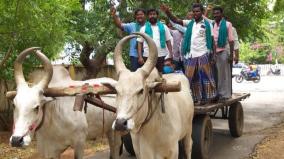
{"x": 116, "y": 19}
{"x": 173, "y": 18}
{"x": 178, "y": 27}
{"x": 140, "y": 42}
{"x": 214, "y": 46}
{"x": 208, "y": 9}
{"x": 236, "y": 45}
{"x": 139, "y": 50}
{"x": 169, "y": 40}
{"x": 236, "y": 57}
{"x": 170, "y": 48}
{"x": 231, "y": 40}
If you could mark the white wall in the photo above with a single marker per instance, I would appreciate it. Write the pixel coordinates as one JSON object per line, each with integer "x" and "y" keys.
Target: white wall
{"x": 265, "y": 68}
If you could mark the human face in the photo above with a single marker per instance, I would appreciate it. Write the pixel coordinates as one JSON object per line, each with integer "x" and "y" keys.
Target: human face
{"x": 217, "y": 15}
{"x": 170, "y": 25}
{"x": 140, "y": 17}
{"x": 153, "y": 17}
{"x": 189, "y": 15}
{"x": 197, "y": 13}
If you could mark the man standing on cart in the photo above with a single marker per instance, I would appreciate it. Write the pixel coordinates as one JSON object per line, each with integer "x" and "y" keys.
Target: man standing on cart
{"x": 224, "y": 43}
{"x": 161, "y": 35}
{"x": 140, "y": 19}
{"x": 196, "y": 49}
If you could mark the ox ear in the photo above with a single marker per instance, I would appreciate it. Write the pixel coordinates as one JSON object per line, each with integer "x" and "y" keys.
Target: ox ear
{"x": 152, "y": 84}
{"x": 46, "y": 100}
{"x": 110, "y": 85}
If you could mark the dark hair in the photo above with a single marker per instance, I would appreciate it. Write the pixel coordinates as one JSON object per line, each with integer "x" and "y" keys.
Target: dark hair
{"x": 218, "y": 8}
{"x": 152, "y": 10}
{"x": 198, "y": 5}
{"x": 139, "y": 10}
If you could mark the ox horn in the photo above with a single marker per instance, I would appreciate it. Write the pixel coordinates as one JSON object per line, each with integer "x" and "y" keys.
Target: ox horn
{"x": 153, "y": 54}
{"x": 18, "y": 70}
{"x": 118, "y": 60}
{"x": 151, "y": 61}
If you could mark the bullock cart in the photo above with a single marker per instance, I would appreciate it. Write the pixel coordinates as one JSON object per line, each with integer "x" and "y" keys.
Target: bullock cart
{"x": 230, "y": 110}
{"x": 202, "y": 126}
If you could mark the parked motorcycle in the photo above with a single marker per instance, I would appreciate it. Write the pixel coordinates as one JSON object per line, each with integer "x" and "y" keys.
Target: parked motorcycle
{"x": 275, "y": 71}
{"x": 248, "y": 76}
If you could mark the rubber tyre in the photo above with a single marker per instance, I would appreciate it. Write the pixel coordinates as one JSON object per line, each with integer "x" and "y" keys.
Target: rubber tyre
{"x": 257, "y": 80}
{"x": 201, "y": 136}
{"x": 236, "y": 119}
{"x": 127, "y": 141}
{"x": 239, "y": 78}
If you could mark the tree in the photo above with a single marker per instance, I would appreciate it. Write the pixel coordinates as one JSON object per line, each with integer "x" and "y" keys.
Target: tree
{"x": 32, "y": 23}
{"x": 52, "y": 24}
{"x": 93, "y": 30}
{"x": 279, "y": 5}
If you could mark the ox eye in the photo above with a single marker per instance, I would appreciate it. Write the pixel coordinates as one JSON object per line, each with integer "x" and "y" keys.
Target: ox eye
{"x": 141, "y": 91}
{"x": 36, "y": 108}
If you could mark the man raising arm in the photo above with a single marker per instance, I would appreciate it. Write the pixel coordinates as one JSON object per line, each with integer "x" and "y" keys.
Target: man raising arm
{"x": 140, "y": 19}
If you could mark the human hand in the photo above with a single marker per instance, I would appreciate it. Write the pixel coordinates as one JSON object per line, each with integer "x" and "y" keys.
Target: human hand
{"x": 209, "y": 7}
{"x": 212, "y": 58}
{"x": 164, "y": 8}
{"x": 112, "y": 11}
{"x": 236, "y": 59}
{"x": 230, "y": 59}
{"x": 141, "y": 60}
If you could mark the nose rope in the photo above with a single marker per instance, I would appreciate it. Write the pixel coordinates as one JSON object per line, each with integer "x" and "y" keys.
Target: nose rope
{"x": 140, "y": 106}
{"x": 150, "y": 111}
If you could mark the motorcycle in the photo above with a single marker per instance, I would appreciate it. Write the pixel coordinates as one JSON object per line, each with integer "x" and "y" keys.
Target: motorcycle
{"x": 248, "y": 76}
{"x": 275, "y": 71}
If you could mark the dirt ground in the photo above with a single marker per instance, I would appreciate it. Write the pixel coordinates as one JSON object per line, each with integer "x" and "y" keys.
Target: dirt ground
{"x": 7, "y": 152}
{"x": 272, "y": 146}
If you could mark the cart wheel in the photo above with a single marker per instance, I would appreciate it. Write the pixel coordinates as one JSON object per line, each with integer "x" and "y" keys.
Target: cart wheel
{"x": 127, "y": 141}
{"x": 201, "y": 136}
{"x": 236, "y": 119}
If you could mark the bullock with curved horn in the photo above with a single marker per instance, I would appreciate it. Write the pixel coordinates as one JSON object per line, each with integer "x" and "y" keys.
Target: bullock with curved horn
{"x": 18, "y": 70}
{"x": 53, "y": 120}
{"x": 155, "y": 133}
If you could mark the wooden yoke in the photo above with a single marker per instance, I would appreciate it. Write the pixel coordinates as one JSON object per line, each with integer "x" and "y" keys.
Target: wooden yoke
{"x": 96, "y": 89}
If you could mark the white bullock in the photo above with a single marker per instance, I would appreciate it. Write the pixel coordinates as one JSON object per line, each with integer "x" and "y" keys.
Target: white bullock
{"x": 52, "y": 120}
{"x": 155, "y": 133}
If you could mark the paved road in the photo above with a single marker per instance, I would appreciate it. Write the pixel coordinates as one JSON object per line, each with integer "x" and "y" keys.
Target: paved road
{"x": 263, "y": 109}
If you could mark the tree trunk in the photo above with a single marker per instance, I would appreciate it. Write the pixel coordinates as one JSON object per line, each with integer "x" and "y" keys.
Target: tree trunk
{"x": 6, "y": 57}
{"x": 94, "y": 65}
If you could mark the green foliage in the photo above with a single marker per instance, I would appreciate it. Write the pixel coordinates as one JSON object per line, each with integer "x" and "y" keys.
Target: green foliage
{"x": 33, "y": 23}
{"x": 245, "y": 15}
{"x": 247, "y": 54}
{"x": 51, "y": 24}
{"x": 279, "y": 5}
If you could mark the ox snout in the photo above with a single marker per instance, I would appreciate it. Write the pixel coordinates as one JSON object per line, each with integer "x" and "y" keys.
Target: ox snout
{"x": 17, "y": 141}
{"x": 121, "y": 124}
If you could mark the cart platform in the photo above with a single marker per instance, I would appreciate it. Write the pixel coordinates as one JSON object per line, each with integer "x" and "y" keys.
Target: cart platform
{"x": 213, "y": 106}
